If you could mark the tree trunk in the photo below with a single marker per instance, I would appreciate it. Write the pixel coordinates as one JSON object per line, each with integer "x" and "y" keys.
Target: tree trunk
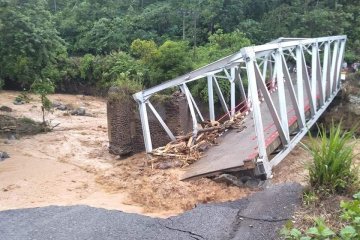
{"x": 43, "y": 109}
{"x": 183, "y": 27}
{"x": 195, "y": 34}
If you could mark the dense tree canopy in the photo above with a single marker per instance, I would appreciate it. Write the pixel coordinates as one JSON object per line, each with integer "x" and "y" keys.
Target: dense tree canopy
{"x": 96, "y": 42}
{"x": 29, "y": 42}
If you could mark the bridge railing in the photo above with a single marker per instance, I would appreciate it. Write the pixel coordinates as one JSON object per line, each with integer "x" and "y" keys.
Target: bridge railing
{"x": 307, "y": 70}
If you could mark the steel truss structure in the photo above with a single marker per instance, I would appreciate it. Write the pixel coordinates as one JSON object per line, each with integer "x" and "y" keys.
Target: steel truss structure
{"x": 255, "y": 74}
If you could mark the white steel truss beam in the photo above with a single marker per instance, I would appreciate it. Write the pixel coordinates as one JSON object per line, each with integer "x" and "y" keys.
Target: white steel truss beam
{"x": 145, "y": 126}
{"x": 333, "y": 66}
{"x": 211, "y": 97}
{"x": 187, "y": 93}
{"x": 221, "y": 97}
{"x": 259, "y": 128}
{"x": 340, "y": 60}
{"x": 161, "y": 121}
{"x": 320, "y": 88}
{"x": 326, "y": 70}
{"x": 290, "y": 87}
{"x": 196, "y": 107}
{"x": 281, "y": 94}
{"x": 300, "y": 83}
{"x": 307, "y": 84}
{"x": 314, "y": 76}
{"x": 271, "y": 106}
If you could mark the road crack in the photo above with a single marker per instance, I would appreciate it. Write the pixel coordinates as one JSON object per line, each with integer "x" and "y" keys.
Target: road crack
{"x": 240, "y": 217}
{"x": 192, "y": 235}
{"x": 239, "y": 220}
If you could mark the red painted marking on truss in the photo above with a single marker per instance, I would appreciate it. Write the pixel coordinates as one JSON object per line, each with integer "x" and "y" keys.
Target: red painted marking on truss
{"x": 273, "y": 135}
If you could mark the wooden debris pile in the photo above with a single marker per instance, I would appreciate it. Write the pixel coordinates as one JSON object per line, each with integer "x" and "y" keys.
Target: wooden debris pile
{"x": 189, "y": 148}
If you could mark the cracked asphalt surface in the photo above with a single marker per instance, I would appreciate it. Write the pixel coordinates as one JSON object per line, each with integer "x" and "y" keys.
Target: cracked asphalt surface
{"x": 257, "y": 217}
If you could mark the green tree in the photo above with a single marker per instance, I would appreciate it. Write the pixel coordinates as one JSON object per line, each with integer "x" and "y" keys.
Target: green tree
{"x": 220, "y": 45}
{"x": 163, "y": 63}
{"x": 43, "y": 88}
{"x": 29, "y": 42}
{"x": 35, "y": 34}
{"x": 144, "y": 49}
{"x": 105, "y": 36}
{"x": 111, "y": 67}
{"x": 169, "y": 61}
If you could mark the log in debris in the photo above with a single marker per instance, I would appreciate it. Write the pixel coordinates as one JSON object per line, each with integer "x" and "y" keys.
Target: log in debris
{"x": 189, "y": 148}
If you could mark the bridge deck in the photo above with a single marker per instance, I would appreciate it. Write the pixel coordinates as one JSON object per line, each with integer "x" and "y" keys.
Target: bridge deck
{"x": 238, "y": 150}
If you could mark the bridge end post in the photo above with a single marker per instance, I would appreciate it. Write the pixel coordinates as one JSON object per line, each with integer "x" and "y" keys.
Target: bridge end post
{"x": 211, "y": 97}
{"x": 139, "y": 98}
{"x": 263, "y": 166}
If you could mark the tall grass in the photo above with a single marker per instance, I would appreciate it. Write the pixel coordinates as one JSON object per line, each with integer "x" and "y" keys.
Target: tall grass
{"x": 332, "y": 170}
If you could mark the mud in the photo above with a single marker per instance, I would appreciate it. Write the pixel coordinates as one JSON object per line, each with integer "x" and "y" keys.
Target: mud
{"x": 72, "y": 165}
{"x": 161, "y": 189}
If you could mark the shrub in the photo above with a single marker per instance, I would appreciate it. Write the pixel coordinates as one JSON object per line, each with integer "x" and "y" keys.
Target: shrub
{"x": 125, "y": 82}
{"x": 123, "y": 88}
{"x": 23, "y": 97}
{"x": 111, "y": 68}
{"x": 351, "y": 212}
{"x": 331, "y": 169}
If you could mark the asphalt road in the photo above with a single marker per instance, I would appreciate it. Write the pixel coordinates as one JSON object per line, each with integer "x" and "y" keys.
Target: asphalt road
{"x": 255, "y": 218}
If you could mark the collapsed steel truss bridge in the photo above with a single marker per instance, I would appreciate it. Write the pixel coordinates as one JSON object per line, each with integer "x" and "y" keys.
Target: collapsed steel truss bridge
{"x": 285, "y": 84}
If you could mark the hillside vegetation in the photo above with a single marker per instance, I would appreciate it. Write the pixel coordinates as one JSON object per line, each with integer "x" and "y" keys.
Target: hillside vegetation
{"x": 95, "y": 43}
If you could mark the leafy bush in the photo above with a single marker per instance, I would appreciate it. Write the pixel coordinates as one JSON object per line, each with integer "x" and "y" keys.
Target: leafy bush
{"x": 23, "y": 97}
{"x": 331, "y": 169}
{"x": 169, "y": 60}
{"x": 111, "y": 68}
{"x": 351, "y": 230}
{"x": 86, "y": 65}
{"x": 125, "y": 82}
{"x": 351, "y": 212}
{"x": 124, "y": 88}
